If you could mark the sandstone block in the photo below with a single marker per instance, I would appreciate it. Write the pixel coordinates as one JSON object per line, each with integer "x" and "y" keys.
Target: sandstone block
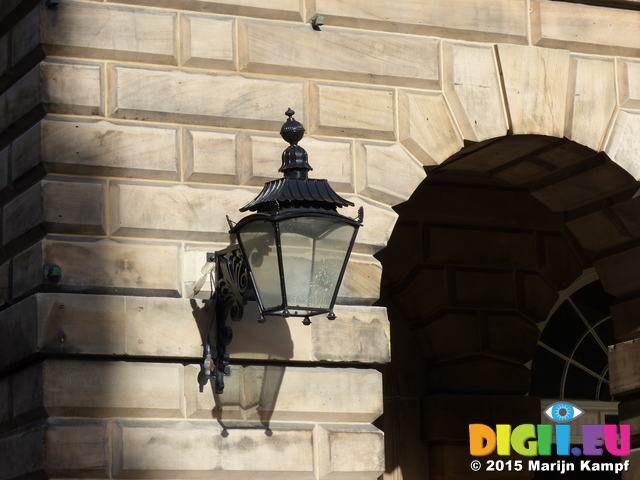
{"x": 374, "y": 161}
{"x": 202, "y": 403}
{"x": 28, "y": 394}
{"x": 187, "y": 210}
{"x": 5, "y": 412}
{"x": 91, "y": 30}
{"x": 163, "y": 448}
{"x": 358, "y": 334}
{"x": 22, "y": 97}
{"x": 591, "y": 101}
{"x": 629, "y": 83}
{"x": 426, "y": 127}
{"x": 356, "y": 112}
{"x": 494, "y": 21}
{"x": 22, "y": 452}
{"x": 277, "y": 9}
{"x": 210, "y": 156}
{"x": 72, "y": 88}
{"x": 74, "y": 206}
{"x": 181, "y": 96}
{"x": 197, "y": 269}
{"x": 4, "y": 53}
{"x": 5, "y": 282}
{"x": 472, "y": 87}
{"x": 26, "y": 152}
{"x": 108, "y": 388}
{"x": 18, "y": 325}
{"x": 580, "y": 28}
{"x": 361, "y": 282}
{"x": 22, "y": 214}
{"x": 207, "y": 42}
{"x": 622, "y": 374}
{"x": 349, "y": 452}
{"x": 77, "y": 448}
{"x": 379, "y": 220}
{"x": 350, "y": 55}
{"x": 105, "y": 148}
{"x": 535, "y": 82}
{"x": 25, "y": 36}
{"x": 114, "y": 266}
{"x": 330, "y": 159}
{"x": 85, "y": 324}
{"x": 624, "y": 142}
{"x": 28, "y": 270}
{"x": 4, "y": 164}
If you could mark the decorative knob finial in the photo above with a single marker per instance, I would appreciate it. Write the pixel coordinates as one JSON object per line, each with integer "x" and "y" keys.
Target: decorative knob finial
{"x": 292, "y": 131}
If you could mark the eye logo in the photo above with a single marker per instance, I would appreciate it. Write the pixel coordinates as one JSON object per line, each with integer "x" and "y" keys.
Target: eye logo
{"x": 563, "y": 412}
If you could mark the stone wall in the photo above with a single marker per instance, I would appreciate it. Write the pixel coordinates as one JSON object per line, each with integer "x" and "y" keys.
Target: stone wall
{"x": 130, "y": 128}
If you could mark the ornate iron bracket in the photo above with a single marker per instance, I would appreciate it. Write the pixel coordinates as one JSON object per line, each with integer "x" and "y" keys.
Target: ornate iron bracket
{"x": 231, "y": 288}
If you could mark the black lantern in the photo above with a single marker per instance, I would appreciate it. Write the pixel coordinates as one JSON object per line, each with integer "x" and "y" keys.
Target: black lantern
{"x": 294, "y": 249}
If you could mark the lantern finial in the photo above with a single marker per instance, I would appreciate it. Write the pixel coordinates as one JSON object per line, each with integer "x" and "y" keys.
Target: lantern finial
{"x": 295, "y": 161}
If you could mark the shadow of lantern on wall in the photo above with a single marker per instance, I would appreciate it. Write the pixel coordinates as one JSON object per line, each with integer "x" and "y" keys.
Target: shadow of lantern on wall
{"x": 291, "y": 254}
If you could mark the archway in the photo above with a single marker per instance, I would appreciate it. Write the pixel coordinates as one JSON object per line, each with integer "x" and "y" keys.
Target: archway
{"x": 478, "y": 257}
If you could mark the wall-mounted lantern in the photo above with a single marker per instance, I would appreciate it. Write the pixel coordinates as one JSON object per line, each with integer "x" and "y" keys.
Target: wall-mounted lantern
{"x": 293, "y": 251}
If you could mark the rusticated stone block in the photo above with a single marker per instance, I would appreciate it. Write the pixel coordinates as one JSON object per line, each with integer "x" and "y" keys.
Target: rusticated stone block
{"x": 22, "y": 452}
{"x": 360, "y": 333}
{"x": 591, "y": 101}
{"x": 107, "y": 388}
{"x": 624, "y": 142}
{"x": 352, "y": 55}
{"x": 28, "y": 268}
{"x": 28, "y": 394}
{"x": 5, "y": 412}
{"x": 26, "y": 152}
{"x": 346, "y": 452}
{"x": 92, "y": 30}
{"x": 426, "y": 127}
{"x": 536, "y": 297}
{"x": 25, "y": 36}
{"x": 197, "y": 269}
{"x": 265, "y": 154}
{"x": 472, "y": 87}
{"x": 22, "y": 214}
{"x": 624, "y": 316}
{"x": 494, "y": 21}
{"x": 72, "y": 88}
{"x": 163, "y": 448}
{"x": 623, "y": 374}
{"x": 361, "y": 282}
{"x": 276, "y": 9}
{"x": 108, "y": 266}
{"x": 356, "y": 112}
{"x": 207, "y": 42}
{"x": 617, "y": 275}
{"x": 187, "y": 210}
{"x": 4, "y": 162}
{"x": 182, "y": 96}
{"x": 5, "y": 282}
{"x": 18, "y": 325}
{"x": 535, "y": 82}
{"x": 77, "y": 448}
{"x": 210, "y": 156}
{"x": 374, "y": 161}
{"x": 102, "y": 148}
{"x": 582, "y": 29}
{"x": 21, "y": 97}
{"x": 422, "y": 293}
{"x": 629, "y": 83}
{"x": 379, "y": 220}
{"x": 491, "y": 289}
{"x": 73, "y": 206}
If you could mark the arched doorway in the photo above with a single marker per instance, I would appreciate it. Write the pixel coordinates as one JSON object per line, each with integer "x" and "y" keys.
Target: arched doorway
{"x": 477, "y": 259}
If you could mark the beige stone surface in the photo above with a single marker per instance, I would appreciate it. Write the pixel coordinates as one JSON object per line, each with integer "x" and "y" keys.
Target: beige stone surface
{"x": 426, "y": 128}
{"x": 472, "y": 87}
{"x": 190, "y": 96}
{"x": 210, "y": 156}
{"x": 581, "y": 28}
{"x": 28, "y": 268}
{"x": 361, "y": 282}
{"x": 375, "y": 161}
{"x": 72, "y": 87}
{"x": 161, "y": 449}
{"x": 591, "y": 101}
{"x": 191, "y": 212}
{"x": 113, "y": 388}
{"x": 330, "y": 158}
{"x": 351, "y": 111}
{"x": 74, "y": 206}
{"x": 115, "y": 266}
{"x": 629, "y": 83}
{"x": 111, "y": 32}
{"x": 622, "y": 374}
{"x": 26, "y": 152}
{"x": 378, "y": 224}
{"x": 349, "y": 452}
{"x": 103, "y": 148}
{"x": 77, "y": 448}
{"x": 495, "y": 20}
{"x": 339, "y": 54}
{"x": 535, "y": 82}
{"x": 276, "y": 9}
{"x": 207, "y": 42}
{"x": 624, "y": 142}
{"x": 22, "y": 214}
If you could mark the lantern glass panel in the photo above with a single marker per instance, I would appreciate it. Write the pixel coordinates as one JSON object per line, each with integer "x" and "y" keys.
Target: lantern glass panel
{"x": 258, "y": 239}
{"x": 314, "y": 251}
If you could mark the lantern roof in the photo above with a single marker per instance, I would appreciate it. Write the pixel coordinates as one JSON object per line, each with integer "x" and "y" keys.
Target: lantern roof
{"x": 295, "y": 189}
